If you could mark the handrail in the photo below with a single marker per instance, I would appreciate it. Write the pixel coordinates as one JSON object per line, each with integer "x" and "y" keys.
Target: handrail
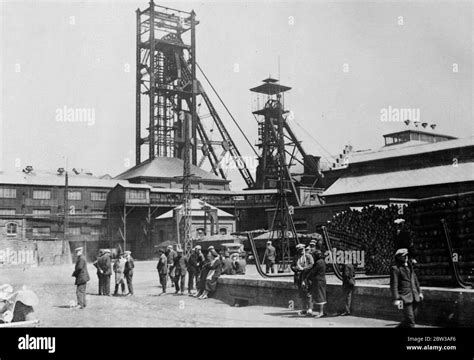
{"x": 454, "y": 264}
{"x": 257, "y": 260}
{"x": 337, "y": 272}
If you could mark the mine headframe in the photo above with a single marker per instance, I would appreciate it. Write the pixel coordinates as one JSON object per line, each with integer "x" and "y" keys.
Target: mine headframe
{"x": 166, "y": 83}
{"x": 280, "y": 151}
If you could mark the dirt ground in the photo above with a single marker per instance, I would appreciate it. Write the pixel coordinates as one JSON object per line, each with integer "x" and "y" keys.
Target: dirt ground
{"x": 55, "y": 288}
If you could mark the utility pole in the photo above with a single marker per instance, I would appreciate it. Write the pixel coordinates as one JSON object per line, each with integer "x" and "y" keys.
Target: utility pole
{"x": 66, "y": 203}
{"x": 187, "y": 236}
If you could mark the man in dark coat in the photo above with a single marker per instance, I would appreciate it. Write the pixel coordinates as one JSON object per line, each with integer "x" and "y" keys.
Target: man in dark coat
{"x": 180, "y": 271}
{"x": 194, "y": 265}
{"x": 170, "y": 256}
{"x": 100, "y": 276}
{"x": 405, "y": 287}
{"x": 348, "y": 284}
{"x": 317, "y": 281}
{"x": 270, "y": 257}
{"x": 82, "y": 277}
{"x": 162, "y": 268}
{"x": 128, "y": 271}
{"x": 105, "y": 265}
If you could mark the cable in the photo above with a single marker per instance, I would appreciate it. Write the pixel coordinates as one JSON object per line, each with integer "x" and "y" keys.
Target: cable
{"x": 316, "y": 141}
{"x": 222, "y": 102}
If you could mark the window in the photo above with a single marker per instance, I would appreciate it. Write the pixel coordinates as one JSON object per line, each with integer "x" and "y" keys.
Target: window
{"x": 95, "y": 230}
{"x": 7, "y": 193}
{"x": 98, "y": 196}
{"x": 7, "y": 211}
{"x": 41, "y": 211}
{"x": 74, "y": 195}
{"x": 12, "y": 229}
{"x": 137, "y": 195}
{"x": 223, "y": 231}
{"x": 41, "y": 194}
{"x": 74, "y": 230}
{"x": 42, "y": 231}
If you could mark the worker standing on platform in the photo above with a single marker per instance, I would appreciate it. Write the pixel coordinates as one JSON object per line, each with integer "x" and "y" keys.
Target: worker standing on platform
{"x": 301, "y": 265}
{"x": 270, "y": 257}
{"x": 405, "y": 288}
{"x": 348, "y": 285}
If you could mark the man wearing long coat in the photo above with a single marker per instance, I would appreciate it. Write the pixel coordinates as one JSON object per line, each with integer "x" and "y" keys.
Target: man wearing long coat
{"x": 82, "y": 277}
{"x": 405, "y": 287}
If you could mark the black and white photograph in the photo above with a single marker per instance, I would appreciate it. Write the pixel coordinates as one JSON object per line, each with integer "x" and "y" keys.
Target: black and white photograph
{"x": 237, "y": 164}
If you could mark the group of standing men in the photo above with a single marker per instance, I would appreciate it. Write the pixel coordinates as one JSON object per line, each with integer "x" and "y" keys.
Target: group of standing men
{"x": 202, "y": 271}
{"x": 123, "y": 268}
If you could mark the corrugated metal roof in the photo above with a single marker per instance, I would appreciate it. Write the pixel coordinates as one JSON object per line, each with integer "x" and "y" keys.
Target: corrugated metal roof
{"x": 196, "y": 207}
{"x": 407, "y": 149}
{"x": 165, "y": 167}
{"x": 45, "y": 178}
{"x": 402, "y": 179}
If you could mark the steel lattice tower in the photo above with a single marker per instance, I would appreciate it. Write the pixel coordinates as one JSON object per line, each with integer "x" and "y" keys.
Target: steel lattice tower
{"x": 166, "y": 83}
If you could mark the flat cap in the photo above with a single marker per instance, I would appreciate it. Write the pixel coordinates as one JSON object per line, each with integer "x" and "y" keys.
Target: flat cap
{"x": 401, "y": 252}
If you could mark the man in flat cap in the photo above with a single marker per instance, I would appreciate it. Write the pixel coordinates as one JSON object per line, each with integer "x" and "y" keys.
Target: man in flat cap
{"x": 128, "y": 271}
{"x": 180, "y": 271}
{"x": 270, "y": 257}
{"x": 100, "y": 276}
{"x": 194, "y": 264}
{"x": 405, "y": 288}
{"x": 105, "y": 264}
{"x": 82, "y": 277}
{"x": 170, "y": 256}
{"x": 301, "y": 266}
{"x": 162, "y": 268}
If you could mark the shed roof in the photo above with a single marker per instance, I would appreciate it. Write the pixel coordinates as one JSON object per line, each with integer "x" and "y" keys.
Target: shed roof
{"x": 434, "y": 175}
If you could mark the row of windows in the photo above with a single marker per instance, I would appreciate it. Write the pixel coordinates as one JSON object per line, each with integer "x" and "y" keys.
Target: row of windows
{"x": 72, "y": 211}
{"x": 6, "y": 193}
{"x": 12, "y": 230}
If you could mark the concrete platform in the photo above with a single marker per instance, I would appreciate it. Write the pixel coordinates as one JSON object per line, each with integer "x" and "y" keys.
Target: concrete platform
{"x": 441, "y": 307}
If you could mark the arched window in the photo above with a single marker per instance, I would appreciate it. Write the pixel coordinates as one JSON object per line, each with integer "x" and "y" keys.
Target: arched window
{"x": 12, "y": 229}
{"x": 223, "y": 231}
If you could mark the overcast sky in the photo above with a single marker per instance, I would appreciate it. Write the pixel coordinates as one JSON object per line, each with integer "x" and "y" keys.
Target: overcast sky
{"x": 346, "y": 62}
